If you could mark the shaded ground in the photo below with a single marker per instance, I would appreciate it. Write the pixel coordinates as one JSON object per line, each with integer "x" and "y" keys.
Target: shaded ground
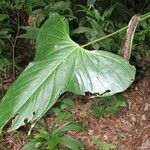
{"x": 129, "y": 129}
{"x": 13, "y": 141}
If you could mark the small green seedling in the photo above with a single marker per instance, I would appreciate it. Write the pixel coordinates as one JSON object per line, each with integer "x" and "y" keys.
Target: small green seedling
{"x": 101, "y": 145}
{"x": 108, "y": 105}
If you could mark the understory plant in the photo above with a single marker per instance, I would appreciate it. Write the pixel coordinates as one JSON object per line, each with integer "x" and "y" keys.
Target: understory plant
{"x": 53, "y": 135}
{"x": 102, "y": 145}
{"x": 4, "y": 33}
{"x": 96, "y": 25}
{"x": 108, "y": 105}
{"x": 61, "y": 65}
{"x": 13, "y": 18}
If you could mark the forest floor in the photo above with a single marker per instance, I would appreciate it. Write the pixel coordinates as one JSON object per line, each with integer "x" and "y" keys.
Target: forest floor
{"x": 128, "y": 129}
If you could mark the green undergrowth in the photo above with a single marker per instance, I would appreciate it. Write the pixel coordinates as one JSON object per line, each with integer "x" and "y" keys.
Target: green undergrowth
{"x": 109, "y": 105}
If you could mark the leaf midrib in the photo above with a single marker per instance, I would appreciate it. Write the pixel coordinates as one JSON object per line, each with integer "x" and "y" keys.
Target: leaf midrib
{"x": 46, "y": 77}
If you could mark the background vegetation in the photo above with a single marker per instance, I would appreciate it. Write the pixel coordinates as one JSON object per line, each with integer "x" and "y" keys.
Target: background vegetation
{"x": 20, "y": 21}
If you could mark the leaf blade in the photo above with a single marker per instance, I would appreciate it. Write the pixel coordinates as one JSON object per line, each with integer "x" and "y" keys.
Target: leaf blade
{"x": 61, "y": 65}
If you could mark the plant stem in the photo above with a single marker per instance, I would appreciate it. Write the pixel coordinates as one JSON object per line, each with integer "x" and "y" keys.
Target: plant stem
{"x": 14, "y": 46}
{"x": 143, "y": 17}
{"x": 105, "y": 37}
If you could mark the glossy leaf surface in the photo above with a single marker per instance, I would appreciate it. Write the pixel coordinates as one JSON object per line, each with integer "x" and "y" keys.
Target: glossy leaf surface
{"x": 61, "y": 65}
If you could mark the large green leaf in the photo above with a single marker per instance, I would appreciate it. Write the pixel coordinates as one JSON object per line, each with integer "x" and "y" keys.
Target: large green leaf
{"x": 61, "y": 65}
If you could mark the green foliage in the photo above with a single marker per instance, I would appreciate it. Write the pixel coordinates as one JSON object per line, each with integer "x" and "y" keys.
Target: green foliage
{"x": 67, "y": 103}
{"x": 29, "y": 6}
{"x": 31, "y": 33}
{"x": 84, "y": 114}
{"x": 141, "y": 47}
{"x": 56, "y": 136}
{"x": 61, "y": 65}
{"x": 7, "y": 29}
{"x": 38, "y": 10}
{"x": 60, "y": 111}
{"x": 4, "y": 30}
{"x": 103, "y": 18}
{"x": 4, "y": 65}
{"x": 97, "y": 25}
{"x": 108, "y": 105}
{"x": 101, "y": 145}
{"x": 8, "y": 4}
{"x": 120, "y": 135}
{"x": 3, "y": 17}
{"x": 41, "y": 9}
{"x": 4, "y": 33}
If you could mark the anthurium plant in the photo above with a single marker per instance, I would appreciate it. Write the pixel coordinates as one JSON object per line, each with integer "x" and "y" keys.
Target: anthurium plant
{"x": 61, "y": 65}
